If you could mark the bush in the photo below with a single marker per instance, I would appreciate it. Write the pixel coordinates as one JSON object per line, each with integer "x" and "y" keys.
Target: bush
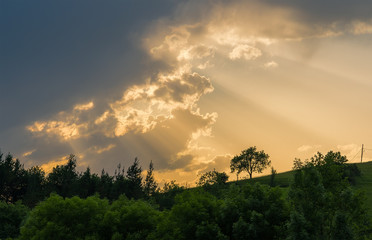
{"x": 11, "y": 217}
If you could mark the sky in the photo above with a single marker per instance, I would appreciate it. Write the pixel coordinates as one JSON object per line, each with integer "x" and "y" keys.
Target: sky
{"x": 185, "y": 84}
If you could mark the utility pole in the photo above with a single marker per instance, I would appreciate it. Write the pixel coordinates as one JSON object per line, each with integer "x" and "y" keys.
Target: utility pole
{"x": 361, "y": 154}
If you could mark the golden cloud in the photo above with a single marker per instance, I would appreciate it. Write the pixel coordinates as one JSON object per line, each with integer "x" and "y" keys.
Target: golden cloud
{"x": 67, "y": 127}
{"x": 48, "y": 167}
{"x": 245, "y": 51}
{"x": 361, "y": 27}
{"x": 84, "y": 107}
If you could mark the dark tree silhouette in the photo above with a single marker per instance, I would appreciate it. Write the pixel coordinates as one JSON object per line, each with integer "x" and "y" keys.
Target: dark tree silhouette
{"x": 88, "y": 183}
{"x": 13, "y": 179}
{"x": 135, "y": 180}
{"x": 212, "y": 177}
{"x": 36, "y": 183}
{"x": 250, "y": 160}
{"x": 105, "y": 184}
{"x": 63, "y": 179}
{"x": 150, "y": 185}
{"x": 120, "y": 183}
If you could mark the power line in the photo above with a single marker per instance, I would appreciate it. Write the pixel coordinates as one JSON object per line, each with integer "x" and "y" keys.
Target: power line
{"x": 355, "y": 155}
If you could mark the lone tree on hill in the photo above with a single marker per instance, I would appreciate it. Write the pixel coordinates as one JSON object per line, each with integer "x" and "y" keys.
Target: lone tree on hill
{"x": 250, "y": 160}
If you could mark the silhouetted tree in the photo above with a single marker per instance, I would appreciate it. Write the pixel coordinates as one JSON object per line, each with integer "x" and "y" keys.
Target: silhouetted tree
{"x": 250, "y": 160}
{"x": 63, "y": 178}
{"x": 135, "y": 180}
{"x": 13, "y": 179}
{"x": 236, "y": 165}
{"x": 88, "y": 183}
{"x": 121, "y": 185}
{"x": 212, "y": 177}
{"x": 150, "y": 185}
{"x": 36, "y": 183}
{"x": 105, "y": 185}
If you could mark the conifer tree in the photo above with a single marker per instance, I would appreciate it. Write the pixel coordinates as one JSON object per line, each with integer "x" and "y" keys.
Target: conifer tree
{"x": 135, "y": 180}
{"x": 150, "y": 184}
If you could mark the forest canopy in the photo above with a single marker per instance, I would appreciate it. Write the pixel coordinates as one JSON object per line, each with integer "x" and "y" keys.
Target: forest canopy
{"x": 67, "y": 204}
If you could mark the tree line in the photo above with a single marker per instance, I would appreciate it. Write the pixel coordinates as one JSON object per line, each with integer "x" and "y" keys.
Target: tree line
{"x": 319, "y": 204}
{"x": 33, "y": 185}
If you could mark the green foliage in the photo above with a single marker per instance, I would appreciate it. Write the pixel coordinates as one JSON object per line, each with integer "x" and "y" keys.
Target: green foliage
{"x": 241, "y": 230}
{"x": 131, "y": 219}
{"x": 321, "y": 210}
{"x": 351, "y": 172}
{"x": 332, "y": 167}
{"x": 250, "y": 160}
{"x": 199, "y": 215}
{"x": 209, "y": 231}
{"x": 166, "y": 198}
{"x": 11, "y": 217}
{"x": 70, "y": 218}
{"x": 341, "y": 228}
{"x": 91, "y": 218}
{"x": 307, "y": 193}
{"x": 297, "y": 227}
{"x": 321, "y": 204}
{"x": 192, "y": 209}
{"x": 256, "y": 211}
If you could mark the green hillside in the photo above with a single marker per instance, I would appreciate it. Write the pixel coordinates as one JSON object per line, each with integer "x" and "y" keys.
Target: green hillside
{"x": 281, "y": 179}
{"x": 363, "y": 183}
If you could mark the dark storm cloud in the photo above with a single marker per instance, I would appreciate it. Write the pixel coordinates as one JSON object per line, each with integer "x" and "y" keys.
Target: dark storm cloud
{"x": 319, "y": 11}
{"x": 56, "y": 53}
